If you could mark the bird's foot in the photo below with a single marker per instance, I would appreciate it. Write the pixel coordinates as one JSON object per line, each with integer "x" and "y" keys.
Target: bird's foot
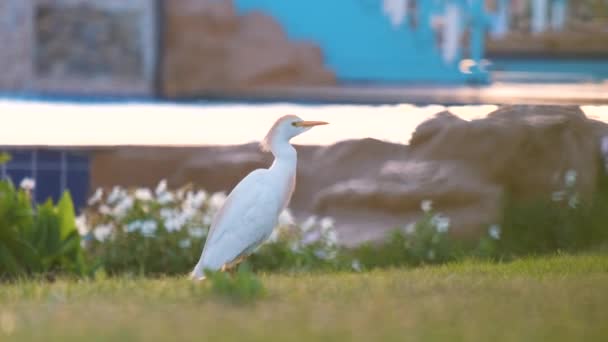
{"x": 195, "y": 277}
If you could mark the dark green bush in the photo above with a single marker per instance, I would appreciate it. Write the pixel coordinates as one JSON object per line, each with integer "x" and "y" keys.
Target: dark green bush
{"x": 37, "y": 241}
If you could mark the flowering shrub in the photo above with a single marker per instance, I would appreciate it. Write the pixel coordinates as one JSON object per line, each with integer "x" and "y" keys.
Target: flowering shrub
{"x": 308, "y": 246}
{"x": 161, "y": 231}
{"x": 564, "y": 222}
{"x": 423, "y": 241}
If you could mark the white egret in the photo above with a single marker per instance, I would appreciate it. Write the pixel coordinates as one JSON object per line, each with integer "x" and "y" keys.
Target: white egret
{"x": 250, "y": 212}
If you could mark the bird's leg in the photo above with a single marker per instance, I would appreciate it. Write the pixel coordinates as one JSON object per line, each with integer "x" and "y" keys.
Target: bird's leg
{"x": 229, "y": 268}
{"x": 232, "y": 267}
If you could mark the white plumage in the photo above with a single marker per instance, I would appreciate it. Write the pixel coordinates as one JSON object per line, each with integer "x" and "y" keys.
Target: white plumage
{"x": 251, "y": 211}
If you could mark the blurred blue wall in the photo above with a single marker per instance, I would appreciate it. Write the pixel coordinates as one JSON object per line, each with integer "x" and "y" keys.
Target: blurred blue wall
{"x": 358, "y": 40}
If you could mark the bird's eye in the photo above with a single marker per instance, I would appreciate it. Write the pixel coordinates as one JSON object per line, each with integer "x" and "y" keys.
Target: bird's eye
{"x": 294, "y": 124}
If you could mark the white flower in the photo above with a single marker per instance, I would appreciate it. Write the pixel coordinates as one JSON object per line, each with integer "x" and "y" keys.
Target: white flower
{"x": 294, "y": 246}
{"x": 96, "y": 197}
{"x": 558, "y": 196}
{"x": 207, "y": 219}
{"x": 410, "y": 229}
{"x": 117, "y": 194}
{"x": 332, "y": 238}
{"x": 166, "y": 213}
{"x": 326, "y": 223}
{"x": 173, "y": 224}
{"x": 161, "y": 188}
{"x": 104, "y": 209}
{"x": 148, "y": 228}
{"x": 185, "y": 243}
{"x": 81, "y": 225}
{"x": 197, "y": 232}
{"x": 311, "y": 237}
{"x": 187, "y": 214}
{"x": 309, "y": 223}
{"x": 199, "y": 198}
{"x": 165, "y": 198}
{"x": 426, "y": 205}
{"x": 103, "y": 231}
{"x": 121, "y": 209}
{"x": 286, "y": 219}
{"x": 134, "y": 226}
{"x": 494, "y": 232}
{"x": 321, "y": 254}
{"x": 144, "y": 194}
{"x": 217, "y": 201}
{"x": 441, "y": 223}
{"x": 570, "y": 178}
{"x": 28, "y": 184}
{"x": 356, "y": 265}
{"x": 173, "y": 220}
{"x": 573, "y": 201}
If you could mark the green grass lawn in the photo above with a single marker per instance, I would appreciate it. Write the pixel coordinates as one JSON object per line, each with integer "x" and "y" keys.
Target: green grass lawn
{"x": 563, "y": 298}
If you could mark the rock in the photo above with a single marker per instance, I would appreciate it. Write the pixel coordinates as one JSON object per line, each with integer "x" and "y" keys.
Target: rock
{"x": 394, "y": 196}
{"x": 220, "y": 169}
{"x": 525, "y": 149}
{"x": 212, "y": 49}
{"x": 322, "y": 167}
{"x": 433, "y": 126}
{"x": 135, "y": 166}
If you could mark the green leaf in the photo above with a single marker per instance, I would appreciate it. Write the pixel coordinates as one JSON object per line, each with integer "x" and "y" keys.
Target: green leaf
{"x": 8, "y": 262}
{"x": 67, "y": 215}
{"x": 27, "y": 255}
{"x": 68, "y": 245}
{"x": 43, "y": 227}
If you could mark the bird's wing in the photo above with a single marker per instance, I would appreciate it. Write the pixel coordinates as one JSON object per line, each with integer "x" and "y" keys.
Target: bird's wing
{"x": 245, "y": 220}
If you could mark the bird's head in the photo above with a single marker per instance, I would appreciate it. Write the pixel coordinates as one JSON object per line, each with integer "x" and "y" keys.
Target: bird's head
{"x": 286, "y": 128}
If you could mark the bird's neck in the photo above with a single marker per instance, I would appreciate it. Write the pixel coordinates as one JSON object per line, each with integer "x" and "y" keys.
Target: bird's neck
{"x": 285, "y": 158}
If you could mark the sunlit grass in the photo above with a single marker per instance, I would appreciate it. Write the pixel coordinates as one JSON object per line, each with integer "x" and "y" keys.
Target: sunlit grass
{"x": 561, "y": 298}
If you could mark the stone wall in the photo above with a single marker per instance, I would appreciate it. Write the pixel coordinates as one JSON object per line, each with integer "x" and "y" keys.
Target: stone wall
{"x": 78, "y": 46}
{"x": 15, "y": 43}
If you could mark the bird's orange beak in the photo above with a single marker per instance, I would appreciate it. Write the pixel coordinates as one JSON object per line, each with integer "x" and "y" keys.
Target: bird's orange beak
{"x": 310, "y": 123}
